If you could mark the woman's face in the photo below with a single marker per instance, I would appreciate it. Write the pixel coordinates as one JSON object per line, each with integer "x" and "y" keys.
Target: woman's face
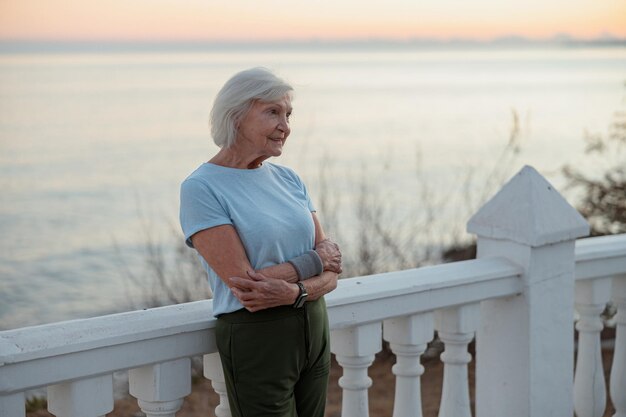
{"x": 265, "y": 128}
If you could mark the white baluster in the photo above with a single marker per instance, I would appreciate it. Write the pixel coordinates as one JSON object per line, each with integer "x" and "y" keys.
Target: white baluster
{"x": 408, "y": 338}
{"x": 160, "y": 388}
{"x": 213, "y": 371}
{"x": 456, "y": 327}
{"x": 12, "y": 405}
{"x": 354, "y": 348}
{"x": 589, "y": 387}
{"x": 618, "y": 369}
{"x": 92, "y": 397}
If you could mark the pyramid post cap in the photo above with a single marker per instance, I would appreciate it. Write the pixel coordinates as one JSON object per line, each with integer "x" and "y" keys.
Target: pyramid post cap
{"x": 528, "y": 210}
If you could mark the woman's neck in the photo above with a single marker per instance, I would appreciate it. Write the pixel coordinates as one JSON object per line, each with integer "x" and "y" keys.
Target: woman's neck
{"x": 231, "y": 158}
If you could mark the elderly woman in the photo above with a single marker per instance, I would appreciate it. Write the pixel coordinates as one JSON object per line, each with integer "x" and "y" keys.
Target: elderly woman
{"x": 269, "y": 263}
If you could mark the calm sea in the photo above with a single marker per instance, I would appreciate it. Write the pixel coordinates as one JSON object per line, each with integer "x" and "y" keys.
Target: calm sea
{"x": 93, "y": 147}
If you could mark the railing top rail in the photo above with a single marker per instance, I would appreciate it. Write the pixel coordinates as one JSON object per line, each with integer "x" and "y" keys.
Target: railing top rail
{"x": 598, "y": 257}
{"x": 378, "y": 297}
{"x": 610, "y": 246}
{"x": 65, "y": 337}
{"x": 427, "y": 278}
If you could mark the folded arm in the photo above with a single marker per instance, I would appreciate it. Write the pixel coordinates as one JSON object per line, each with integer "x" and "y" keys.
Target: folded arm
{"x": 269, "y": 287}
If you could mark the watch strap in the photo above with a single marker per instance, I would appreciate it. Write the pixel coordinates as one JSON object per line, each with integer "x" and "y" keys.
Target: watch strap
{"x": 301, "y": 297}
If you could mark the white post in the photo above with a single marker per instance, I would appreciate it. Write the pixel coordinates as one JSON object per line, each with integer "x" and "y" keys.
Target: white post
{"x": 215, "y": 373}
{"x": 456, "y": 327}
{"x": 92, "y": 397}
{"x": 355, "y": 348}
{"x": 160, "y": 388}
{"x": 12, "y": 405}
{"x": 408, "y": 338}
{"x": 618, "y": 369}
{"x": 525, "y": 346}
{"x": 589, "y": 386}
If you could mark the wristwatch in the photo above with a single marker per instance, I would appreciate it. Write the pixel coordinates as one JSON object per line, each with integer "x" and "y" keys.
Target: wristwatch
{"x": 301, "y": 297}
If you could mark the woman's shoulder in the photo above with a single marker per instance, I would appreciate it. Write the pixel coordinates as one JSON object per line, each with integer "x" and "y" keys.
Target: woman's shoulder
{"x": 202, "y": 176}
{"x": 284, "y": 171}
{"x": 207, "y": 171}
{"x": 287, "y": 176}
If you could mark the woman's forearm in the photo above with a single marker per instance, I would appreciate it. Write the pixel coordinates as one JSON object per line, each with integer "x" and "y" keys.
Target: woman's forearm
{"x": 327, "y": 252}
{"x": 284, "y": 271}
{"x": 321, "y": 284}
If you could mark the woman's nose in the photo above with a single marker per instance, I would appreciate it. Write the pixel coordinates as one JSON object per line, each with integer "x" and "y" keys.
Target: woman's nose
{"x": 283, "y": 124}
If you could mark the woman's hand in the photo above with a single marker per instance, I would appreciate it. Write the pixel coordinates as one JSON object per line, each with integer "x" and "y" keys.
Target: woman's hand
{"x": 330, "y": 254}
{"x": 259, "y": 292}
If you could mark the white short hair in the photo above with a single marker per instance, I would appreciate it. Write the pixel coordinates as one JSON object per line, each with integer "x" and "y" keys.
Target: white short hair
{"x": 237, "y": 96}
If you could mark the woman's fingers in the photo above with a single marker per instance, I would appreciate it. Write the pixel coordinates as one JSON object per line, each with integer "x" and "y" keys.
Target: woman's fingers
{"x": 330, "y": 254}
{"x": 259, "y": 292}
{"x": 243, "y": 283}
{"x": 257, "y": 276}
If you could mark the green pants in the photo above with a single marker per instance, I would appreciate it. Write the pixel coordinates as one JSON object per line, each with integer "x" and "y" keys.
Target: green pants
{"x": 276, "y": 361}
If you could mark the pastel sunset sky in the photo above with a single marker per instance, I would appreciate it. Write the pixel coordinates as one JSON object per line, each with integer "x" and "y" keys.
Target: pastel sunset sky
{"x": 249, "y": 20}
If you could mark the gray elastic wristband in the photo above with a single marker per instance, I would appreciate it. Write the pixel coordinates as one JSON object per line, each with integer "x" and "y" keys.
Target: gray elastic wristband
{"x": 307, "y": 265}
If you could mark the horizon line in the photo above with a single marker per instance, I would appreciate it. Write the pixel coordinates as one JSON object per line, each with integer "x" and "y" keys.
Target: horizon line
{"x": 560, "y": 40}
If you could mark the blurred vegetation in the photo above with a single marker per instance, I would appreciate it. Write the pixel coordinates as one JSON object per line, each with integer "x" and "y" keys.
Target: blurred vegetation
{"x": 172, "y": 273}
{"x": 391, "y": 239}
{"x": 603, "y": 200}
{"x": 36, "y": 403}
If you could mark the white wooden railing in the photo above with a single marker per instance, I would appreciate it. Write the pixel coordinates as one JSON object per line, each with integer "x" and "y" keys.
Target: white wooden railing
{"x": 518, "y": 298}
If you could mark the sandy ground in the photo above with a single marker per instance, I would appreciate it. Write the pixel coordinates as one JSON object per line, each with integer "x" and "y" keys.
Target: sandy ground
{"x": 203, "y": 400}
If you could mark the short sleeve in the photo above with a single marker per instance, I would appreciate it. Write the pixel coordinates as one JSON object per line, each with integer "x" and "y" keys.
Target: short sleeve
{"x": 200, "y": 209}
{"x": 300, "y": 184}
{"x": 308, "y": 198}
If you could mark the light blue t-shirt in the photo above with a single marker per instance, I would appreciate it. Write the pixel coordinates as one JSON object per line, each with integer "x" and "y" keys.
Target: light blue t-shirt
{"x": 268, "y": 206}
